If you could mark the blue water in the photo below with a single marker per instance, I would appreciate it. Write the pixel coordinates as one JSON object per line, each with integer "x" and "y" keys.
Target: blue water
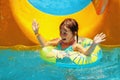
{"x": 27, "y": 65}
{"x": 59, "y": 7}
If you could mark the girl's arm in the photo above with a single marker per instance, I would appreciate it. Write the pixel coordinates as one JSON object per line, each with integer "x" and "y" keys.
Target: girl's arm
{"x": 35, "y": 27}
{"x": 97, "y": 39}
{"x": 53, "y": 42}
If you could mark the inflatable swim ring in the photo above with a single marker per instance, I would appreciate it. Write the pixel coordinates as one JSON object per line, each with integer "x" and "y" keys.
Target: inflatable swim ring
{"x": 75, "y": 57}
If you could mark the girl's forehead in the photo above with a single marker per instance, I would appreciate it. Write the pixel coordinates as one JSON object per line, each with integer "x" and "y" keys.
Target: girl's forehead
{"x": 64, "y": 28}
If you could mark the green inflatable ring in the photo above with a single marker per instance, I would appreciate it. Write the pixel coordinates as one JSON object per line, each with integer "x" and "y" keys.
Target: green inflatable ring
{"x": 76, "y": 57}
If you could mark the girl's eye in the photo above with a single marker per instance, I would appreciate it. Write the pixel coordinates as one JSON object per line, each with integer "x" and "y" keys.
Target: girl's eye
{"x": 64, "y": 32}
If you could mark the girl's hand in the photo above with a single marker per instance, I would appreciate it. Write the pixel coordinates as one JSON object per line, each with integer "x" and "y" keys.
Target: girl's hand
{"x": 35, "y": 26}
{"x": 59, "y": 54}
{"x": 56, "y": 54}
{"x": 99, "y": 38}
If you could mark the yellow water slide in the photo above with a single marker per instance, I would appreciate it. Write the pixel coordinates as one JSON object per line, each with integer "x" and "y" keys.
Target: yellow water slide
{"x": 16, "y": 18}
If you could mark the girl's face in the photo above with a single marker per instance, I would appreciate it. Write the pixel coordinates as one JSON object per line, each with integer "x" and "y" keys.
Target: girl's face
{"x": 66, "y": 35}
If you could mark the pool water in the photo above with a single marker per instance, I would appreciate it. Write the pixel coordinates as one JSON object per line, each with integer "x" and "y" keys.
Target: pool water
{"x": 27, "y": 65}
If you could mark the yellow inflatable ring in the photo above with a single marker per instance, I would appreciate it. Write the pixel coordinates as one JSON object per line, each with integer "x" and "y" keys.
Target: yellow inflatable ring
{"x": 76, "y": 58}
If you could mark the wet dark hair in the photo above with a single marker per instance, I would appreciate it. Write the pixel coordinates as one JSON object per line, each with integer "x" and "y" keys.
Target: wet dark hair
{"x": 72, "y": 25}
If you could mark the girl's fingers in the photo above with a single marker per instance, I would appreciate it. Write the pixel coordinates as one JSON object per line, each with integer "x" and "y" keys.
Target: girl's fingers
{"x": 99, "y": 38}
{"x": 35, "y": 25}
{"x": 96, "y": 35}
{"x": 103, "y": 40}
{"x": 103, "y": 36}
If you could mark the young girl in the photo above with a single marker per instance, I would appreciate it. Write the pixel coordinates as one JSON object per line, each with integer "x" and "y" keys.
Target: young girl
{"x": 68, "y": 40}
